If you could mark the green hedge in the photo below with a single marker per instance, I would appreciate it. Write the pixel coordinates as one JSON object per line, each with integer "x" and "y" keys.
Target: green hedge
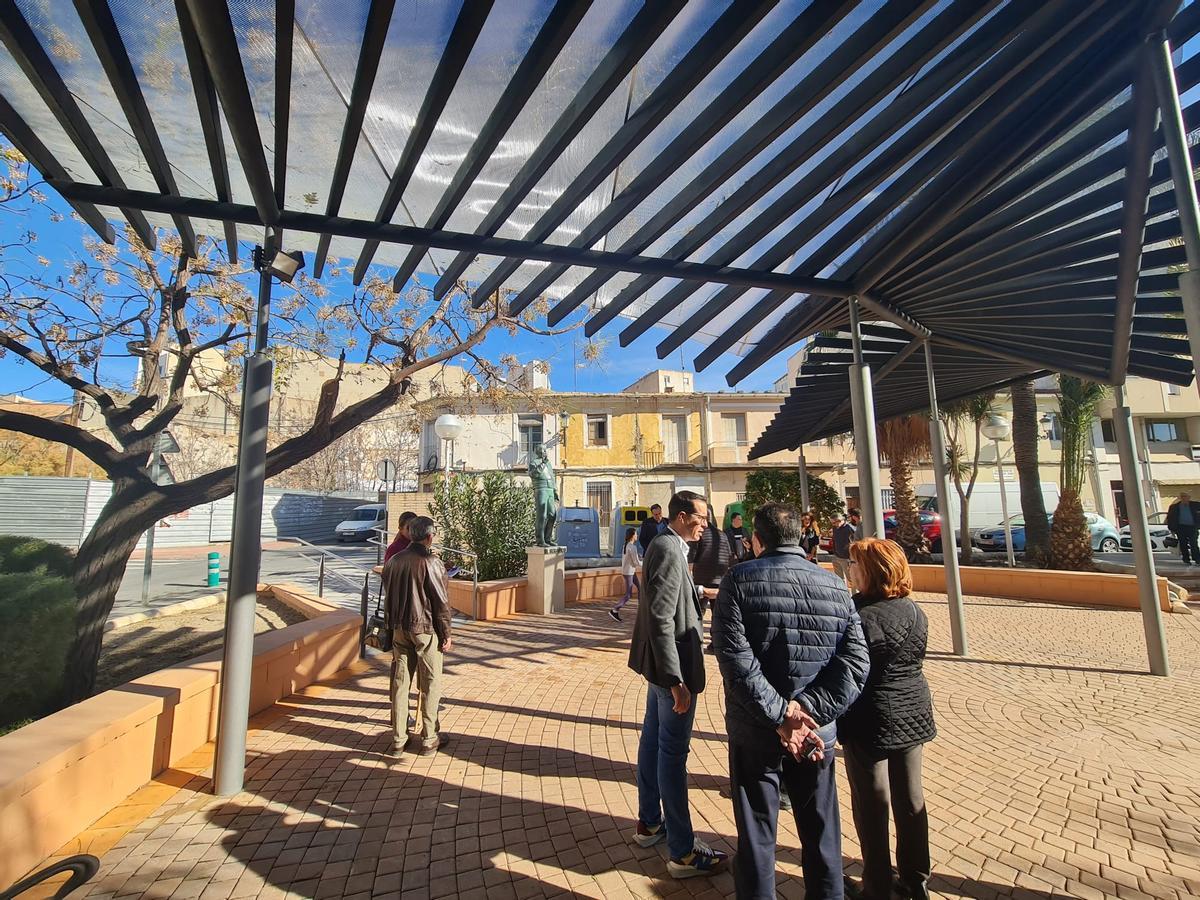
{"x": 26, "y": 554}
{"x": 37, "y": 624}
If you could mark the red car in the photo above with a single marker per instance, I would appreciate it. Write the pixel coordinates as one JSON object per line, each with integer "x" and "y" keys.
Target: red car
{"x": 931, "y": 525}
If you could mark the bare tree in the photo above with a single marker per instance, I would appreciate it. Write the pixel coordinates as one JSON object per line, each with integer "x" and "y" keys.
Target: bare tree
{"x": 124, "y": 325}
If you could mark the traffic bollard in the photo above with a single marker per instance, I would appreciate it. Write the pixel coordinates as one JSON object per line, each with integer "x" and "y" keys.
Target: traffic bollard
{"x": 214, "y": 569}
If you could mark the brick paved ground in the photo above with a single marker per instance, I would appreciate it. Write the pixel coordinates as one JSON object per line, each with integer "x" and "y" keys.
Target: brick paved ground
{"x": 1060, "y": 770}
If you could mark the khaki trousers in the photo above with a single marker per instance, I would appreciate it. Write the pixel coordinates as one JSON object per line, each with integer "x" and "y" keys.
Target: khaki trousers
{"x": 415, "y": 654}
{"x": 842, "y": 568}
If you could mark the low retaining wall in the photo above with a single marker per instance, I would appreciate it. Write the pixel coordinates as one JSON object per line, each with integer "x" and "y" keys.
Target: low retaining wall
{"x": 62, "y": 773}
{"x": 1043, "y": 585}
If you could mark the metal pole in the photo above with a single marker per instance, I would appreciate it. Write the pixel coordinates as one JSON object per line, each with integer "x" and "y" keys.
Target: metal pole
{"x": 803, "y": 466}
{"x": 1008, "y": 547}
{"x": 245, "y": 552}
{"x": 148, "y": 563}
{"x": 321, "y": 578}
{"x": 862, "y": 406}
{"x": 1152, "y": 623}
{"x": 1175, "y": 135}
{"x": 937, "y": 443}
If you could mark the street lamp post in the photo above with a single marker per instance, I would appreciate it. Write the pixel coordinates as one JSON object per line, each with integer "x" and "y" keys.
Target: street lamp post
{"x": 997, "y": 429}
{"x": 447, "y": 427}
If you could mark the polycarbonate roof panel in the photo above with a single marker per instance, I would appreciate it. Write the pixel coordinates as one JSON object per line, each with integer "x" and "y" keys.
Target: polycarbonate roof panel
{"x": 959, "y": 159}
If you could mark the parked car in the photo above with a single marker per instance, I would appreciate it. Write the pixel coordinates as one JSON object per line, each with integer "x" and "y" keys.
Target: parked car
{"x": 1105, "y": 538}
{"x": 931, "y": 526}
{"x": 1161, "y": 539}
{"x": 362, "y": 522}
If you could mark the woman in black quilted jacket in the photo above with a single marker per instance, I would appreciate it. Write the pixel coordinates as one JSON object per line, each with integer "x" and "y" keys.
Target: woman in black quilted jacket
{"x": 884, "y": 730}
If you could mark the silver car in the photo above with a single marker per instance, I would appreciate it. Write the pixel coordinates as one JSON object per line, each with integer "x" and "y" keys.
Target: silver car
{"x": 1161, "y": 540}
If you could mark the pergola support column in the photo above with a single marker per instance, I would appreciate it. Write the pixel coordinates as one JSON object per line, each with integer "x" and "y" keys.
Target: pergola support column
{"x": 1152, "y": 621}
{"x": 1175, "y": 135}
{"x": 805, "y": 500}
{"x": 862, "y": 407}
{"x": 245, "y": 557}
{"x": 937, "y": 448}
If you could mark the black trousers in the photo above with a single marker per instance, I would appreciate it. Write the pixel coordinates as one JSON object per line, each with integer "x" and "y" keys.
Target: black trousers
{"x": 1187, "y": 543}
{"x": 878, "y": 781}
{"x": 756, "y": 773}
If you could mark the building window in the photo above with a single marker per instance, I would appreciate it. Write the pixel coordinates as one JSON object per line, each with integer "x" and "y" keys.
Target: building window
{"x": 597, "y": 430}
{"x": 1161, "y": 432}
{"x": 733, "y": 429}
{"x": 599, "y": 498}
{"x": 1050, "y": 427}
{"x": 675, "y": 439}
{"x": 1107, "y": 431}
{"x": 529, "y": 432}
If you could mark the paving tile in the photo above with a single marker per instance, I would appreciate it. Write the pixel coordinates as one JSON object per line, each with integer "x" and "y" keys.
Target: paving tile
{"x": 1060, "y": 770}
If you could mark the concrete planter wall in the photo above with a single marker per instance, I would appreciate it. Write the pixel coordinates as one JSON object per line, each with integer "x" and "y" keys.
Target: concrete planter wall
{"x": 62, "y": 773}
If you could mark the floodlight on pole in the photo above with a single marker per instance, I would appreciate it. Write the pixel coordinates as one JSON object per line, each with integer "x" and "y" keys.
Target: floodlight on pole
{"x": 283, "y": 265}
{"x": 996, "y": 429}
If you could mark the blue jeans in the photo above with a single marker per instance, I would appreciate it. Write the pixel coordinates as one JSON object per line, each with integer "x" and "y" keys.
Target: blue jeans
{"x": 662, "y": 769}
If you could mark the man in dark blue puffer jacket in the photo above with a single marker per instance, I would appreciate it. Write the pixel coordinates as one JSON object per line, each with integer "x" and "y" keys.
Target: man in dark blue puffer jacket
{"x": 793, "y": 658}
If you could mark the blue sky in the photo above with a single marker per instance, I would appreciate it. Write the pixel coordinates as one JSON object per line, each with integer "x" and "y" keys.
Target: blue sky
{"x": 62, "y": 241}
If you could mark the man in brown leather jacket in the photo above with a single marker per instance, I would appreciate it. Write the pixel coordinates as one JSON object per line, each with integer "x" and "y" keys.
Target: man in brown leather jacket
{"x": 418, "y": 611}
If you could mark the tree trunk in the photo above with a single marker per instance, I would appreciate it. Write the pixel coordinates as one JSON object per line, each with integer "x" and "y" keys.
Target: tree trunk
{"x": 908, "y": 519}
{"x": 1070, "y": 542}
{"x": 966, "y": 553}
{"x": 99, "y": 567}
{"x": 1025, "y": 449}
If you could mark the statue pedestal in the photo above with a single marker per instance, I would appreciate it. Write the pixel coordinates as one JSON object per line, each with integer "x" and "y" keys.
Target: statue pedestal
{"x": 546, "y": 592}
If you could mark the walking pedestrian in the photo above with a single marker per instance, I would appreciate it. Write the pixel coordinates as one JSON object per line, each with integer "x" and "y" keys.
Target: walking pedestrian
{"x": 844, "y": 534}
{"x": 630, "y": 560}
{"x": 1183, "y": 518}
{"x": 651, "y": 528}
{"x": 666, "y": 651}
{"x": 883, "y": 732}
{"x": 418, "y": 612}
{"x": 793, "y": 659}
{"x": 401, "y": 540}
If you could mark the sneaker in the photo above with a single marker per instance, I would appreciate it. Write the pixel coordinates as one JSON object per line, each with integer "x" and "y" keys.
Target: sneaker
{"x": 648, "y": 835}
{"x": 616, "y": 616}
{"x": 703, "y": 860}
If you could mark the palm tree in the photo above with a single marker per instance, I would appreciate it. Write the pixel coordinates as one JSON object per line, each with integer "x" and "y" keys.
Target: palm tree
{"x": 1070, "y": 542}
{"x": 903, "y": 441}
{"x": 1025, "y": 449}
{"x": 960, "y": 418}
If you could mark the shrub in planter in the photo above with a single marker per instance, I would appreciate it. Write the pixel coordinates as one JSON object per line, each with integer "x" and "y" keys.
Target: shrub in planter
{"x": 25, "y": 554}
{"x": 37, "y": 621}
{"x": 491, "y": 516}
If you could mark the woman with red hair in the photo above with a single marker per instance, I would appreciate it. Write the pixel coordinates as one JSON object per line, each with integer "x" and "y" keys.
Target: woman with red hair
{"x": 884, "y": 730}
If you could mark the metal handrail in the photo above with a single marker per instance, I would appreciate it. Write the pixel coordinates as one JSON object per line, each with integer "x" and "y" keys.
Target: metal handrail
{"x": 382, "y": 542}
{"x": 323, "y": 555}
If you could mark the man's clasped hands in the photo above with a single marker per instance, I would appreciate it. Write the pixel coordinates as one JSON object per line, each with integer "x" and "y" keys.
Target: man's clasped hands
{"x": 798, "y": 734}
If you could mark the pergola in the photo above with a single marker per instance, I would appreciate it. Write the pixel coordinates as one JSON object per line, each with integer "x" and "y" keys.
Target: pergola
{"x": 982, "y": 178}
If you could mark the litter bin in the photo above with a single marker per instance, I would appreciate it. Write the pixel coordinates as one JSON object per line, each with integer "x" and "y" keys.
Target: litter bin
{"x": 579, "y": 532}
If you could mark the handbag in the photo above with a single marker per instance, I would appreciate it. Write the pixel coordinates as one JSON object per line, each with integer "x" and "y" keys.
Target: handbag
{"x": 379, "y": 633}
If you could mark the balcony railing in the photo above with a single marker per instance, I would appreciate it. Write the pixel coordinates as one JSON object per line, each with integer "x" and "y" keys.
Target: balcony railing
{"x": 729, "y": 453}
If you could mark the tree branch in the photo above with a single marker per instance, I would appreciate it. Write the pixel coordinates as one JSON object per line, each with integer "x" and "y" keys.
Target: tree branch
{"x": 103, "y": 454}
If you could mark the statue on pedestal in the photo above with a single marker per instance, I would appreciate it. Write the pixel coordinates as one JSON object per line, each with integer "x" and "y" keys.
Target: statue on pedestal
{"x": 545, "y": 496}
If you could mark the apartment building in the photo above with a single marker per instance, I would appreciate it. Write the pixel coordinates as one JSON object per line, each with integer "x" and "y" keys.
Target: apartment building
{"x": 636, "y": 446}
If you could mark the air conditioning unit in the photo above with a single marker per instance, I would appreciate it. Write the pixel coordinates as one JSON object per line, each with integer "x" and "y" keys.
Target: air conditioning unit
{"x": 1195, "y": 452}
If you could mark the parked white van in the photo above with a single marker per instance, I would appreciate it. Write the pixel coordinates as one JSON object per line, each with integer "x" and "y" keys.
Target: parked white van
{"x": 362, "y": 522}
{"x": 984, "y": 506}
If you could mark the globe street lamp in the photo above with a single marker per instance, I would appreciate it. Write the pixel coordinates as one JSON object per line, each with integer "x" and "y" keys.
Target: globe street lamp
{"x": 997, "y": 429}
{"x": 448, "y": 427}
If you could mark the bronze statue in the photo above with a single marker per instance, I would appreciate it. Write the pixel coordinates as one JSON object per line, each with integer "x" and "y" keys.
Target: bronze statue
{"x": 545, "y": 496}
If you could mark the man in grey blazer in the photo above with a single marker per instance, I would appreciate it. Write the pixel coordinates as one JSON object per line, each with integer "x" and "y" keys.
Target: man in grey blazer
{"x": 667, "y": 650}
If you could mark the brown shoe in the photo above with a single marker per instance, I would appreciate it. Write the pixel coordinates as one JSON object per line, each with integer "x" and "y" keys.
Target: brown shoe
{"x": 430, "y": 747}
